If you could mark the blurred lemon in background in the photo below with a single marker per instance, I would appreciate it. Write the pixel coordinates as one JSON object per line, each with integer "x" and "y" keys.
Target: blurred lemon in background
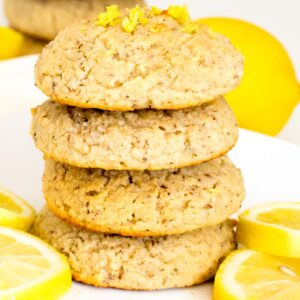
{"x": 269, "y": 90}
{"x": 11, "y": 43}
{"x": 15, "y": 44}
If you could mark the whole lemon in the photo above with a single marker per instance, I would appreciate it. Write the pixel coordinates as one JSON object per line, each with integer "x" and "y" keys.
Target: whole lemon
{"x": 15, "y": 44}
{"x": 11, "y": 43}
{"x": 269, "y": 90}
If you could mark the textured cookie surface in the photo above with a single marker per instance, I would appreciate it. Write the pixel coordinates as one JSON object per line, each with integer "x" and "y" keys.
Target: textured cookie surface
{"x": 95, "y": 67}
{"x": 140, "y": 140}
{"x": 45, "y": 18}
{"x": 138, "y": 263}
{"x": 144, "y": 203}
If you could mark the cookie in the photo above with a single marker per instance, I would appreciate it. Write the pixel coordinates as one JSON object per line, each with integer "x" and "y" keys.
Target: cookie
{"x": 144, "y": 203}
{"x": 140, "y": 140}
{"x": 45, "y": 18}
{"x": 138, "y": 263}
{"x": 158, "y": 65}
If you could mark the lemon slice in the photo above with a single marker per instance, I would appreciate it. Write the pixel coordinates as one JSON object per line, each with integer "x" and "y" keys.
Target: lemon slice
{"x": 11, "y": 42}
{"x": 14, "y": 211}
{"x": 250, "y": 275}
{"x": 30, "y": 269}
{"x": 272, "y": 228}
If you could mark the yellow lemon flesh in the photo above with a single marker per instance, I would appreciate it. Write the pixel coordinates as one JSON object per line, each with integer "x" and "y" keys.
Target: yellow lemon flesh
{"x": 11, "y": 42}
{"x": 269, "y": 90}
{"x": 272, "y": 228}
{"x": 250, "y": 275}
{"x": 30, "y": 269}
{"x": 14, "y": 211}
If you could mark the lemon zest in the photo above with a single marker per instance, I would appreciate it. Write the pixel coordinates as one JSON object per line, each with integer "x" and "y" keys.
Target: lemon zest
{"x": 157, "y": 27}
{"x": 111, "y": 52}
{"x": 138, "y": 16}
{"x": 214, "y": 191}
{"x": 179, "y": 13}
{"x": 212, "y": 34}
{"x": 110, "y": 17}
{"x": 155, "y": 11}
{"x": 135, "y": 17}
{"x": 192, "y": 27}
{"x": 128, "y": 25}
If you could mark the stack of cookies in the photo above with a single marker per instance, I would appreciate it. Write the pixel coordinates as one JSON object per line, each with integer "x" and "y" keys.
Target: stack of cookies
{"x": 136, "y": 180}
{"x": 41, "y": 20}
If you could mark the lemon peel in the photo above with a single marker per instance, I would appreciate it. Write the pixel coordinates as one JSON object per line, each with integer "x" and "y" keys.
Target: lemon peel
{"x": 155, "y": 11}
{"x": 140, "y": 16}
{"x": 135, "y": 17}
{"x": 111, "y": 52}
{"x": 157, "y": 27}
{"x": 110, "y": 17}
{"x": 179, "y": 13}
{"x": 192, "y": 27}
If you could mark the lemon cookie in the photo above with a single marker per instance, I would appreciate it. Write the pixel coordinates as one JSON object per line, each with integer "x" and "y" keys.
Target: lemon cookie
{"x": 136, "y": 60}
{"x": 45, "y": 18}
{"x": 138, "y": 263}
{"x": 140, "y": 140}
{"x": 144, "y": 203}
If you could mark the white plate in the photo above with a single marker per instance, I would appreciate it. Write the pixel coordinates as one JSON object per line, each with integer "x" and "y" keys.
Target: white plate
{"x": 271, "y": 169}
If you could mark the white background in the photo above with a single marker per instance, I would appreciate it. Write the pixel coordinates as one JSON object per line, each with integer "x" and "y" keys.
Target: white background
{"x": 279, "y": 17}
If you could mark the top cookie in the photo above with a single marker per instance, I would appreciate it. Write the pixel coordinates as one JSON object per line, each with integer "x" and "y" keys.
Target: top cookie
{"x": 45, "y": 18}
{"x": 138, "y": 59}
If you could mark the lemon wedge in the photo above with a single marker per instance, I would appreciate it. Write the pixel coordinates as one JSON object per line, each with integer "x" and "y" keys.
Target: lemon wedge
{"x": 272, "y": 228}
{"x": 250, "y": 275}
{"x": 14, "y": 211}
{"x": 30, "y": 269}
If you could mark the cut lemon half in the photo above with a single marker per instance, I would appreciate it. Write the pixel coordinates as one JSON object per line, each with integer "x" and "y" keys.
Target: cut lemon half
{"x": 14, "y": 211}
{"x": 30, "y": 269}
{"x": 272, "y": 228}
{"x": 250, "y": 275}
